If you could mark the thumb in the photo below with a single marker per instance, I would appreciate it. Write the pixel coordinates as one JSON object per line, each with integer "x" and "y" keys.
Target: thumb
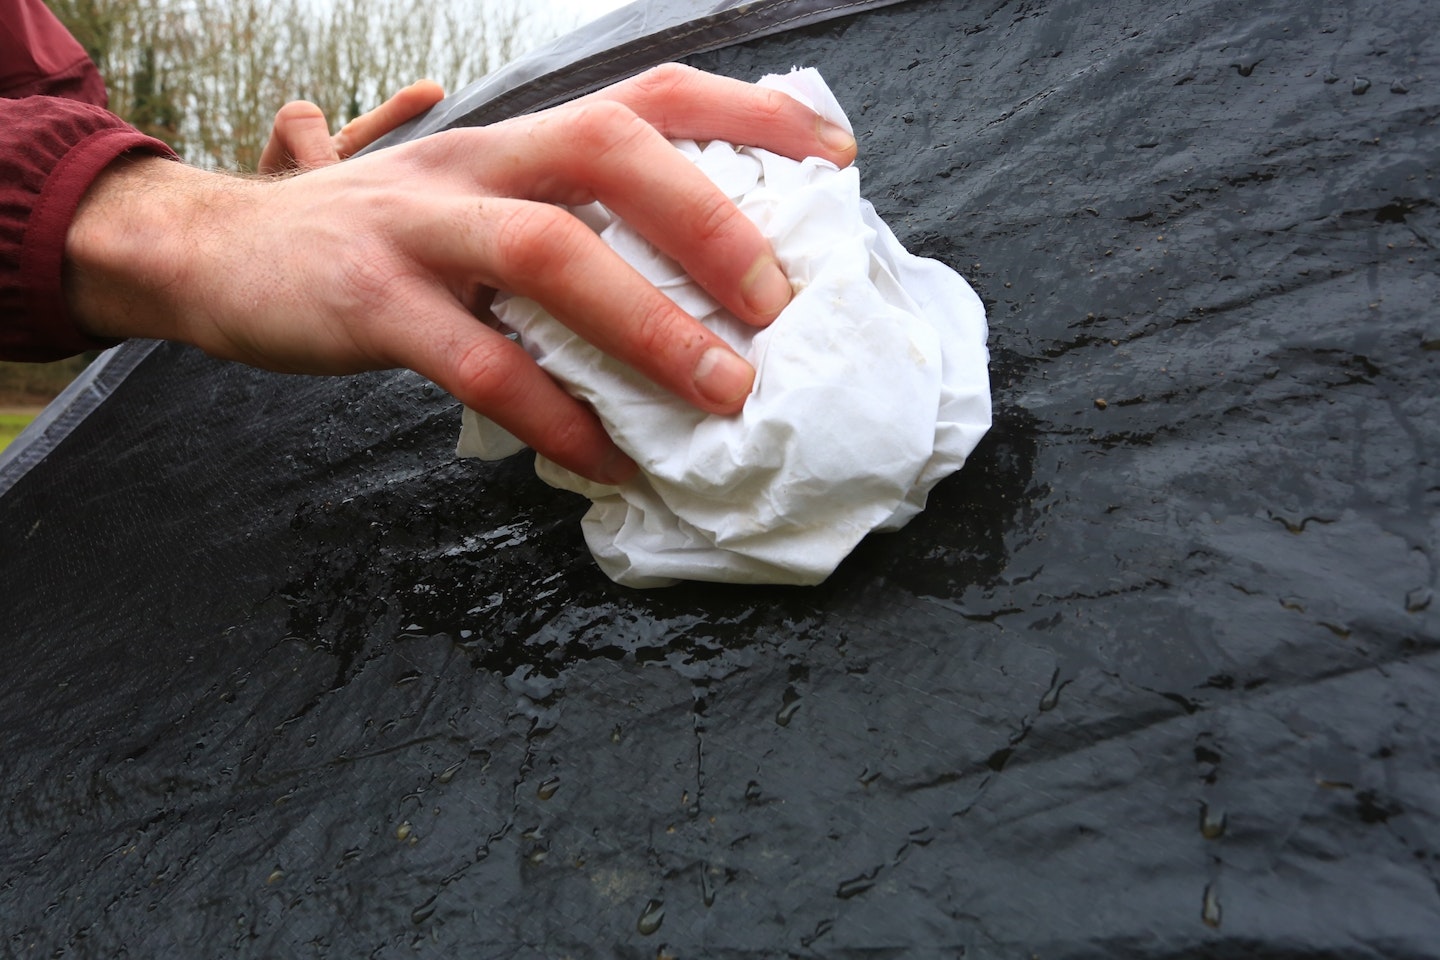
{"x": 299, "y": 138}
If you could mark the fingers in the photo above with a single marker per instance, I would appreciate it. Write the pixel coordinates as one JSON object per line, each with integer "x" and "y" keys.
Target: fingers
{"x": 300, "y": 137}
{"x": 540, "y": 251}
{"x": 369, "y": 127}
{"x": 612, "y": 146}
{"x": 603, "y": 151}
{"x": 480, "y": 210}
{"x": 684, "y": 103}
{"x": 492, "y": 374}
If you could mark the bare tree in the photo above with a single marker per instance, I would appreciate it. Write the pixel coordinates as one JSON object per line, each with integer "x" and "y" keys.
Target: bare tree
{"x": 206, "y": 76}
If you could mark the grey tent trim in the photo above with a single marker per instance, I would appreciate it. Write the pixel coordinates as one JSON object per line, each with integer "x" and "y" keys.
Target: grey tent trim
{"x": 619, "y": 45}
{"x": 74, "y": 404}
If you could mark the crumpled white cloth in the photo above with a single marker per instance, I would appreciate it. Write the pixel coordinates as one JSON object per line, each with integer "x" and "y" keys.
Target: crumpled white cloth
{"x": 871, "y": 386}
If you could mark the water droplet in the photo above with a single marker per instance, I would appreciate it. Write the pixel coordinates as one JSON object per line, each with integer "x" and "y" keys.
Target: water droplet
{"x": 547, "y": 788}
{"x": 423, "y": 912}
{"x": 651, "y": 918}
{"x": 752, "y": 792}
{"x": 789, "y": 705}
{"x": 707, "y": 885}
{"x": 856, "y": 885}
{"x": 1372, "y": 807}
{"x": 821, "y": 928}
{"x": 1212, "y": 822}
{"x": 448, "y": 774}
{"x": 1210, "y": 910}
{"x": 1052, "y": 696}
{"x": 403, "y": 831}
{"x": 276, "y": 876}
{"x": 1417, "y": 601}
{"x": 1360, "y": 86}
{"x": 615, "y": 734}
{"x": 1399, "y": 87}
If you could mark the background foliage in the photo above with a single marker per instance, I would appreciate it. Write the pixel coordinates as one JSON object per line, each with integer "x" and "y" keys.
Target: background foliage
{"x": 206, "y": 76}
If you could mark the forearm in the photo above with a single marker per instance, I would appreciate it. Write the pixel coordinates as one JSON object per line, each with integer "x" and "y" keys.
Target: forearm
{"x": 392, "y": 259}
{"x": 137, "y": 247}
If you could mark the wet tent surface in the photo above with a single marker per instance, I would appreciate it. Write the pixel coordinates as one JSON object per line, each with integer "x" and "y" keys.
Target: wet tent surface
{"x": 1152, "y": 678}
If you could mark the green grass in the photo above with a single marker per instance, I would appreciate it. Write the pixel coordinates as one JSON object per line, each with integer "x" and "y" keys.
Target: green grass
{"x": 10, "y": 426}
{"x": 36, "y": 384}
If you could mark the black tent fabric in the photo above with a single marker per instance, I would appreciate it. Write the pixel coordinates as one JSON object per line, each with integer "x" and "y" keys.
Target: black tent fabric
{"x": 1154, "y": 676}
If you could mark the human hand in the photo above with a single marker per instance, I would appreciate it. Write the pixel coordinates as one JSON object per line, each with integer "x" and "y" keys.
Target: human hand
{"x": 300, "y": 138}
{"x": 392, "y": 259}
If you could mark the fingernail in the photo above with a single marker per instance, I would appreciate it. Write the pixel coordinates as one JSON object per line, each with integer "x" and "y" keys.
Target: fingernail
{"x": 835, "y": 137}
{"x": 765, "y": 288}
{"x": 722, "y": 377}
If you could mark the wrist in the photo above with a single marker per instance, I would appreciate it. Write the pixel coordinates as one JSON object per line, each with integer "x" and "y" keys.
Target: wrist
{"x": 132, "y": 247}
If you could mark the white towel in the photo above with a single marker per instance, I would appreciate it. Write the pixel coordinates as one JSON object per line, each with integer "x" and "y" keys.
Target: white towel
{"x": 871, "y": 386}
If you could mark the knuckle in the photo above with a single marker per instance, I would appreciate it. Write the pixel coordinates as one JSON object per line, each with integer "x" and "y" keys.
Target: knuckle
{"x": 443, "y": 153}
{"x": 774, "y": 105}
{"x": 604, "y": 127}
{"x": 654, "y": 333}
{"x": 715, "y": 219}
{"x": 488, "y": 375}
{"x": 568, "y": 433}
{"x": 666, "y": 80}
{"x": 534, "y": 242}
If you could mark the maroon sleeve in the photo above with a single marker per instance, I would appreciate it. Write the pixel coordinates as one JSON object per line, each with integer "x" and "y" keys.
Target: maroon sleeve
{"x": 55, "y": 139}
{"x": 51, "y": 150}
{"x": 39, "y": 57}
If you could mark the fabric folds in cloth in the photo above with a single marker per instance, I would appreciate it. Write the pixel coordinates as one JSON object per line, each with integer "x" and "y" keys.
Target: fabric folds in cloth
{"x": 871, "y": 386}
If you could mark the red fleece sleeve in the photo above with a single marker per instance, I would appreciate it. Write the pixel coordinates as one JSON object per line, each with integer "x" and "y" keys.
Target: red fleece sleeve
{"x": 55, "y": 138}
{"x": 38, "y": 57}
{"x": 51, "y": 150}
